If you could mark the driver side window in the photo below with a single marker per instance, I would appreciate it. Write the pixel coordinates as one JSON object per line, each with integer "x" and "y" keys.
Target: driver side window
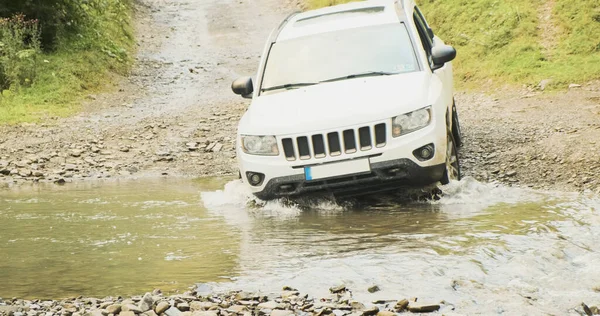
{"x": 426, "y": 40}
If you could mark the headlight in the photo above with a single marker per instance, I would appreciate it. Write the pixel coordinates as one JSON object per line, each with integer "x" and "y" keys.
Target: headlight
{"x": 260, "y": 145}
{"x": 410, "y": 122}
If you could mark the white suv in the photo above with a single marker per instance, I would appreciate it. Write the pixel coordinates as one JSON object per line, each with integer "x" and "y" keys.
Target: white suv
{"x": 350, "y": 99}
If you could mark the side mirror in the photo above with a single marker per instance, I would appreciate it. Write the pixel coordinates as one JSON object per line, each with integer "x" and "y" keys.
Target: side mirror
{"x": 243, "y": 86}
{"x": 442, "y": 54}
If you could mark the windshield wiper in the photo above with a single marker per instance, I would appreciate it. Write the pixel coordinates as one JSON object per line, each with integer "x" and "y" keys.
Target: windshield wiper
{"x": 289, "y": 86}
{"x": 362, "y": 74}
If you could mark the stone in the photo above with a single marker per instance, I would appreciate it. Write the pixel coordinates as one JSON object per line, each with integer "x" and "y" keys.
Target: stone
{"x": 401, "y": 305}
{"x": 511, "y": 173}
{"x": 337, "y": 289}
{"x": 146, "y": 303}
{"x": 373, "y": 289}
{"x": 184, "y": 307}
{"x": 96, "y": 312}
{"x": 586, "y": 309}
{"x": 172, "y": 312}
{"x": 414, "y": 308}
{"x": 217, "y": 148}
{"x": 126, "y": 313}
{"x": 279, "y": 312}
{"x": 357, "y": 306}
{"x": 288, "y": 294}
{"x": 210, "y": 147}
{"x": 131, "y": 308}
{"x": 205, "y": 313}
{"x": 370, "y": 311}
{"x": 25, "y": 172}
{"x": 237, "y": 309}
{"x": 70, "y": 167}
{"x": 574, "y": 86}
{"x": 161, "y": 307}
{"x": 386, "y": 313}
{"x": 271, "y": 305}
{"x": 75, "y": 153}
{"x": 114, "y": 309}
{"x": 200, "y": 306}
{"x": 150, "y": 313}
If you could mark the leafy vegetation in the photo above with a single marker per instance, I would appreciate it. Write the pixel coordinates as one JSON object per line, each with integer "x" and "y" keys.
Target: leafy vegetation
{"x": 54, "y": 52}
{"x": 502, "y": 41}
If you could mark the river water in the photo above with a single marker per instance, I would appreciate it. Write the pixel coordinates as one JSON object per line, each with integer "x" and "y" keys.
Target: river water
{"x": 484, "y": 248}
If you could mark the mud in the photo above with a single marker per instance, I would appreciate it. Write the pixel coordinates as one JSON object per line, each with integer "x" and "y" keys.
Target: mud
{"x": 175, "y": 114}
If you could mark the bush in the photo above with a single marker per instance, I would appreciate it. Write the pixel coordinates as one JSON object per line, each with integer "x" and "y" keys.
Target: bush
{"x": 19, "y": 51}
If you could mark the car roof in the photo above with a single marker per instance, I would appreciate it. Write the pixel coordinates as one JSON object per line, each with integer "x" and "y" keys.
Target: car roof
{"x": 340, "y": 17}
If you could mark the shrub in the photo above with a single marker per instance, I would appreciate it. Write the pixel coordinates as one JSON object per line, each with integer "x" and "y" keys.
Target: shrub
{"x": 19, "y": 51}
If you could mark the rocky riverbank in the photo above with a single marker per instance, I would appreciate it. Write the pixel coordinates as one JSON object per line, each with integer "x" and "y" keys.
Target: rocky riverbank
{"x": 289, "y": 302}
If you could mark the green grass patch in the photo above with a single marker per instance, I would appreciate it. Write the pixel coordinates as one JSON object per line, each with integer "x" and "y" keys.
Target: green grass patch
{"x": 500, "y": 41}
{"x": 82, "y": 64}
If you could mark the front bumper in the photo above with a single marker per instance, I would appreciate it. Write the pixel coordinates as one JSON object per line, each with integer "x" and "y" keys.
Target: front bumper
{"x": 384, "y": 176}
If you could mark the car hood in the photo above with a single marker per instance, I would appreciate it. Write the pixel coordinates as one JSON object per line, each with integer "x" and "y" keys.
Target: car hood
{"x": 336, "y": 104}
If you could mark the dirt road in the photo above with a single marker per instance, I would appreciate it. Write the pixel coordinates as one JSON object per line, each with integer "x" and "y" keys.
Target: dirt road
{"x": 175, "y": 114}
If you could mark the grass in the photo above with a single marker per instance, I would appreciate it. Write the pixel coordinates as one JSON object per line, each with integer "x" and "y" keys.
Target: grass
{"x": 83, "y": 64}
{"x": 500, "y": 41}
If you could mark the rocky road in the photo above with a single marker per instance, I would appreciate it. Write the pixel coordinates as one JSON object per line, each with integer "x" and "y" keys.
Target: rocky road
{"x": 175, "y": 114}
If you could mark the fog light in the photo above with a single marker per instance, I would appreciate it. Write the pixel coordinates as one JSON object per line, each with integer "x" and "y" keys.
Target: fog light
{"x": 425, "y": 153}
{"x": 255, "y": 179}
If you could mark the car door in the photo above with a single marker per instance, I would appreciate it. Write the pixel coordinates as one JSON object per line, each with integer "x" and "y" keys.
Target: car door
{"x": 429, "y": 40}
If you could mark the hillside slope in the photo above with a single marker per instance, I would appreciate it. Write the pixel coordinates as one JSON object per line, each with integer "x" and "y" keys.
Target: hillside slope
{"x": 514, "y": 41}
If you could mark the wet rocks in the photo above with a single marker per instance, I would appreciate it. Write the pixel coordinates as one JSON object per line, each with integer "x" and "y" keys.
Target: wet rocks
{"x": 337, "y": 289}
{"x": 114, "y": 309}
{"x": 146, "y": 303}
{"x": 418, "y": 308}
{"x": 373, "y": 289}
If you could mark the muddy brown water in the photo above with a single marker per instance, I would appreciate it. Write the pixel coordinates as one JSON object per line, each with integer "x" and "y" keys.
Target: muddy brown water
{"x": 484, "y": 248}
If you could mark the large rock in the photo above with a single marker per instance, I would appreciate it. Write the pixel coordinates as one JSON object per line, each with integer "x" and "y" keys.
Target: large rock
{"x": 146, "y": 303}
{"x": 131, "y": 308}
{"x": 279, "y": 312}
{"x": 161, "y": 307}
{"x": 114, "y": 309}
{"x": 371, "y": 311}
{"x": 173, "y": 312}
{"x": 237, "y": 309}
{"x": 205, "y": 313}
{"x": 414, "y": 308}
{"x": 184, "y": 307}
{"x": 271, "y": 305}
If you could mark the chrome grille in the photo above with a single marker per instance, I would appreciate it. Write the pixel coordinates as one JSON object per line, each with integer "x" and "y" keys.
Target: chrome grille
{"x": 333, "y": 144}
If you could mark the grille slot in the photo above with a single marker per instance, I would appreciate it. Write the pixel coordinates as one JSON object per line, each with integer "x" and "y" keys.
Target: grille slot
{"x": 288, "y": 149}
{"x": 318, "y": 146}
{"x": 380, "y": 135}
{"x": 364, "y": 137}
{"x": 349, "y": 141}
{"x": 333, "y": 139}
{"x": 303, "y": 148}
{"x": 333, "y": 144}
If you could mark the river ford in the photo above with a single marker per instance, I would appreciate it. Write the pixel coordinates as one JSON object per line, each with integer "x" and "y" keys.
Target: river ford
{"x": 482, "y": 248}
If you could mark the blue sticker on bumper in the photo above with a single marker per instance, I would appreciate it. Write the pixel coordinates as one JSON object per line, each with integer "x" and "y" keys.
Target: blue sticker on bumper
{"x": 308, "y": 173}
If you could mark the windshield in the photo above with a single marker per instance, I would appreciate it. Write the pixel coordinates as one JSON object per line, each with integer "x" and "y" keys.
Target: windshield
{"x": 377, "y": 50}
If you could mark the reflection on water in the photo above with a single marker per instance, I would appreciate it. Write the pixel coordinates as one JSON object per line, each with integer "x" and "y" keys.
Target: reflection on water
{"x": 484, "y": 248}
{"x": 114, "y": 238}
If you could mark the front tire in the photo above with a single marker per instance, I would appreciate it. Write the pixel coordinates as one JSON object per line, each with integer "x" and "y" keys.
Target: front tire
{"x": 452, "y": 172}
